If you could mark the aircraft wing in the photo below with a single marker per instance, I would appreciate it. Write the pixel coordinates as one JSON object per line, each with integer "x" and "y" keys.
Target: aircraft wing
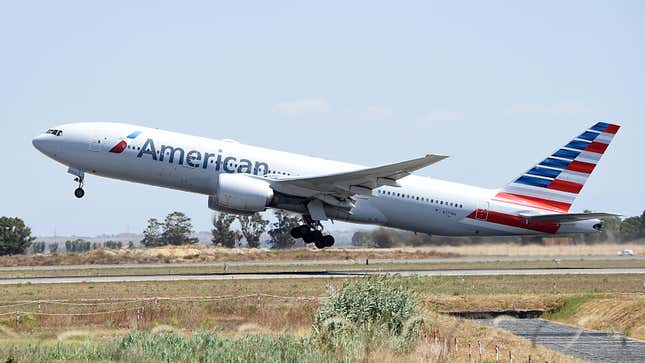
{"x": 567, "y": 217}
{"x": 346, "y": 184}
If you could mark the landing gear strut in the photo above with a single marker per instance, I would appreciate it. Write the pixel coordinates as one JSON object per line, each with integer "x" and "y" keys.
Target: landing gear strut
{"x": 311, "y": 232}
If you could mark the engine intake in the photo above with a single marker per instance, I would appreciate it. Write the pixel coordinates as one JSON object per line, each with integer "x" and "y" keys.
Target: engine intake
{"x": 241, "y": 194}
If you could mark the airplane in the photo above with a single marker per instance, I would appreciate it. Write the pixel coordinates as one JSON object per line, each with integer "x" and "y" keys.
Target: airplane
{"x": 244, "y": 179}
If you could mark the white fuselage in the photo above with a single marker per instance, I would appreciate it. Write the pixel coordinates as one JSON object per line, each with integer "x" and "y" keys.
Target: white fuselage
{"x": 193, "y": 164}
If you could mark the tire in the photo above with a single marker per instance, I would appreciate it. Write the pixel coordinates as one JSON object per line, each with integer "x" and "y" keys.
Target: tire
{"x": 312, "y": 236}
{"x": 327, "y": 241}
{"x": 319, "y": 244}
{"x": 79, "y": 193}
{"x": 308, "y": 237}
{"x": 297, "y": 232}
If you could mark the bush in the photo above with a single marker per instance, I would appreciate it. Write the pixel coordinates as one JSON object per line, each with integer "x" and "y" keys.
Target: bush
{"x": 377, "y": 308}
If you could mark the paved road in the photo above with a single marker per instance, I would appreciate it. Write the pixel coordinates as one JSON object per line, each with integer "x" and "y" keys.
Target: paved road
{"x": 324, "y": 274}
{"x": 585, "y": 344}
{"x": 428, "y": 261}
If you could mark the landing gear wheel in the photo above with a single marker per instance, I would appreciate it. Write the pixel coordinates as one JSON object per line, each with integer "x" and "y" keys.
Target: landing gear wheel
{"x": 299, "y": 232}
{"x": 319, "y": 244}
{"x": 79, "y": 192}
{"x": 312, "y": 236}
{"x": 327, "y": 241}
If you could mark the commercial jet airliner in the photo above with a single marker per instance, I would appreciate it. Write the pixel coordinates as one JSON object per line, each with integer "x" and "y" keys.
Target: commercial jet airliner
{"x": 244, "y": 179}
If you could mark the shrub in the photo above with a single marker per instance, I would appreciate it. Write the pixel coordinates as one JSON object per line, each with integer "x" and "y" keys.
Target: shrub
{"x": 377, "y": 308}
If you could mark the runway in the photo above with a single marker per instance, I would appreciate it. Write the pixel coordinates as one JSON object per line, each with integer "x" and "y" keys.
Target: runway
{"x": 426, "y": 261}
{"x": 321, "y": 274}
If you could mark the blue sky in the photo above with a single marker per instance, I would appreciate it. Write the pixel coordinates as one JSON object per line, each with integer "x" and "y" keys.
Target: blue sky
{"x": 495, "y": 85}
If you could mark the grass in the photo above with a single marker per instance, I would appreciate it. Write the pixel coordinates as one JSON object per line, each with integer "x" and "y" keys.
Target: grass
{"x": 569, "y": 306}
{"x": 263, "y": 314}
{"x": 170, "y": 269}
{"x": 372, "y": 319}
{"x": 624, "y": 314}
{"x": 193, "y": 254}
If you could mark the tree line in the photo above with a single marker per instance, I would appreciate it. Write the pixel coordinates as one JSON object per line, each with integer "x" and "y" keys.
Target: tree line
{"x": 177, "y": 229}
{"x": 614, "y": 230}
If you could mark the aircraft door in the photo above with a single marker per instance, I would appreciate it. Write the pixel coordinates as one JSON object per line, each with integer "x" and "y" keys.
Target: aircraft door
{"x": 482, "y": 211}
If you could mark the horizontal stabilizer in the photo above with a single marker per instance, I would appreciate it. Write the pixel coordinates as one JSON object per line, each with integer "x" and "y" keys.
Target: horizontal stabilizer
{"x": 567, "y": 217}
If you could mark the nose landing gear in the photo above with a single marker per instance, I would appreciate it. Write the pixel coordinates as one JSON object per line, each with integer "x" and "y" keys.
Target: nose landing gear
{"x": 80, "y": 176}
{"x": 311, "y": 232}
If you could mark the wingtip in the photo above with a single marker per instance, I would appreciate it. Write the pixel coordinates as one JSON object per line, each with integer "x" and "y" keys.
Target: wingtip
{"x": 441, "y": 157}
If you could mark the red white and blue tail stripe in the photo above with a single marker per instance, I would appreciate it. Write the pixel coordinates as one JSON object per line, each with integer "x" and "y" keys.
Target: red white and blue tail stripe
{"x": 555, "y": 182}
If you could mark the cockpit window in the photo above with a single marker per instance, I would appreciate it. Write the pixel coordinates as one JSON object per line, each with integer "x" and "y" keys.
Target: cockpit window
{"x": 55, "y": 132}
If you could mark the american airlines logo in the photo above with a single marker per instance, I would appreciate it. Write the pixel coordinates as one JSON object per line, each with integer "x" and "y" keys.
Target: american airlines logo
{"x": 198, "y": 159}
{"x": 122, "y": 145}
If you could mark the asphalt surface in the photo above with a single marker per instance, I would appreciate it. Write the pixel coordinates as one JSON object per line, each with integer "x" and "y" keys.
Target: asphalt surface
{"x": 428, "y": 261}
{"x": 589, "y": 345}
{"x": 323, "y": 274}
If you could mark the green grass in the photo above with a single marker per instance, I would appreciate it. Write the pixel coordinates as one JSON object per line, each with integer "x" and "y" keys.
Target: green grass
{"x": 381, "y": 310}
{"x": 569, "y": 306}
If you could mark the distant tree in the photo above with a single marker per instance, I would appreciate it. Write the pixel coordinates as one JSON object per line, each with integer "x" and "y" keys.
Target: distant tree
{"x": 383, "y": 238}
{"x": 221, "y": 232}
{"x": 152, "y": 234}
{"x": 38, "y": 247}
{"x": 15, "y": 237}
{"x": 177, "y": 230}
{"x": 362, "y": 239}
{"x": 642, "y": 229}
{"x": 113, "y": 245}
{"x": 252, "y": 228}
{"x": 53, "y": 247}
{"x": 630, "y": 229}
{"x": 78, "y": 245}
{"x": 281, "y": 230}
{"x": 130, "y": 244}
{"x": 387, "y": 237}
{"x": 96, "y": 245}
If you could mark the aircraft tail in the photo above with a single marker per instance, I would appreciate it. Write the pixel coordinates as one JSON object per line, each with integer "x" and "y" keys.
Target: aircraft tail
{"x": 554, "y": 183}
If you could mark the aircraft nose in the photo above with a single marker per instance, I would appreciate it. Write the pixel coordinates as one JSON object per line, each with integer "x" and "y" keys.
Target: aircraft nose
{"x": 44, "y": 144}
{"x": 39, "y": 142}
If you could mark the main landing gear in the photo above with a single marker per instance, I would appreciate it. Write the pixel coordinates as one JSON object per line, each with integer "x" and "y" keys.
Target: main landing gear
{"x": 311, "y": 232}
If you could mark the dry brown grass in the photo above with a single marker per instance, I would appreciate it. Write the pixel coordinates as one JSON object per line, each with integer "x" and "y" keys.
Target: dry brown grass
{"x": 491, "y": 302}
{"x": 623, "y": 314}
{"x": 446, "y": 329}
{"x": 510, "y": 249}
{"x": 274, "y": 315}
{"x": 186, "y": 254}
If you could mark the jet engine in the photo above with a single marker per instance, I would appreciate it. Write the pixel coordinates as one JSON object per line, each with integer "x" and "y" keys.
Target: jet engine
{"x": 240, "y": 194}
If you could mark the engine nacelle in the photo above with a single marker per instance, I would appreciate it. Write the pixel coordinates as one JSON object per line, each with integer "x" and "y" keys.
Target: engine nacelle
{"x": 241, "y": 194}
